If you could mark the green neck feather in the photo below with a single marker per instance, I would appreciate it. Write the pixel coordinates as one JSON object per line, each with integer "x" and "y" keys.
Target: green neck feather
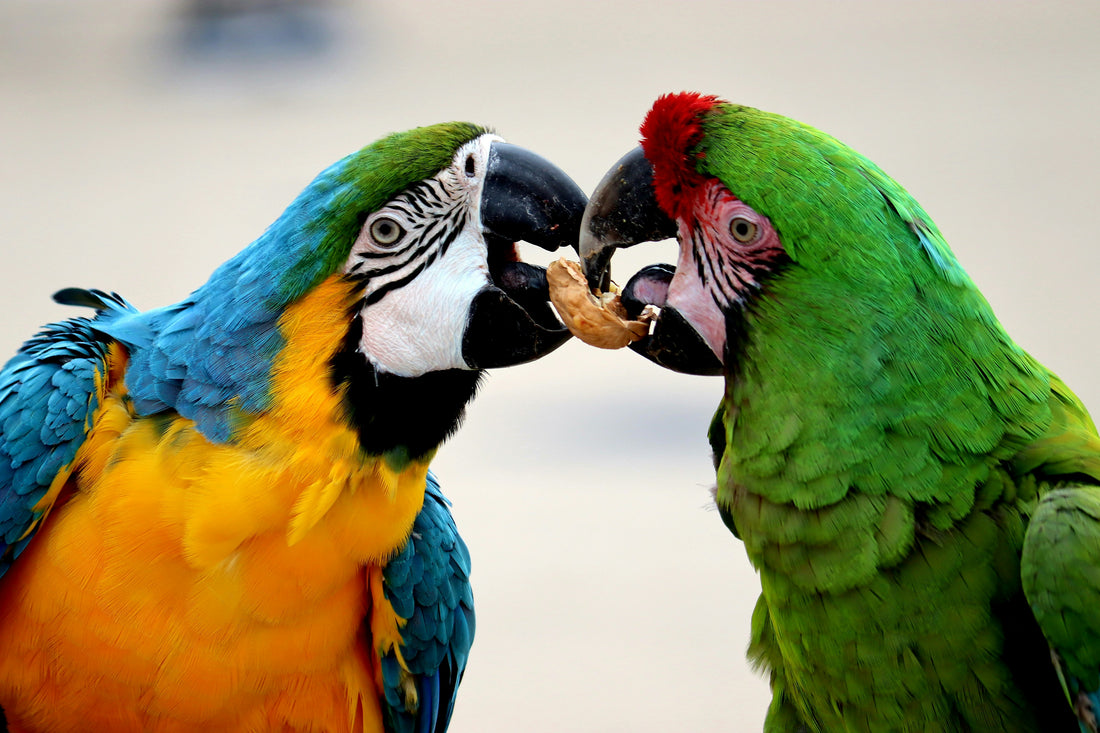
{"x": 872, "y": 373}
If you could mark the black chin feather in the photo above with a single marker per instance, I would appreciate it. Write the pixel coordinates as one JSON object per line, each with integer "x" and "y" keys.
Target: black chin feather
{"x": 391, "y": 413}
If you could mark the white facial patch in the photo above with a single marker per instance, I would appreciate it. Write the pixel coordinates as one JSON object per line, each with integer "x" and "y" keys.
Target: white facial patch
{"x": 423, "y": 260}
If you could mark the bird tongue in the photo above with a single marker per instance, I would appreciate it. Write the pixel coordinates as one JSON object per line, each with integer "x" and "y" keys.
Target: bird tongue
{"x": 648, "y": 286}
{"x": 517, "y": 278}
{"x": 526, "y": 285}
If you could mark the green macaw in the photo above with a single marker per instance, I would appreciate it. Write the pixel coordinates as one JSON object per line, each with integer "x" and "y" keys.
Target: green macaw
{"x": 918, "y": 494}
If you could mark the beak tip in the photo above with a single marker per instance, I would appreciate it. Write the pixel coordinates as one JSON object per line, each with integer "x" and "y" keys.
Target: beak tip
{"x": 597, "y": 271}
{"x": 593, "y": 255}
{"x": 621, "y": 212}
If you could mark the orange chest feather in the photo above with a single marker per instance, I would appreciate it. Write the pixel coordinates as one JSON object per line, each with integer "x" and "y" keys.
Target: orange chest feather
{"x": 191, "y": 585}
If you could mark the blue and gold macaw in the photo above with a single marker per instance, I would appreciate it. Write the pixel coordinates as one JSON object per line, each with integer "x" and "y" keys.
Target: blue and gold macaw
{"x": 218, "y": 515}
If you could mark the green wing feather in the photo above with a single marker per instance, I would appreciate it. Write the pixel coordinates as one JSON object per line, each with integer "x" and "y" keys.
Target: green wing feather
{"x": 1060, "y": 564}
{"x": 1060, "y": 568}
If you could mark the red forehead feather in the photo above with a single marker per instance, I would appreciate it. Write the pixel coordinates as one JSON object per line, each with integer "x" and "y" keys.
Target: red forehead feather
{"x": 671, "y": 129}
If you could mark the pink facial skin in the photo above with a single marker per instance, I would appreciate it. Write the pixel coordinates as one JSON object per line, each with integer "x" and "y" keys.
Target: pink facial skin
{"x": 726, "y": 247}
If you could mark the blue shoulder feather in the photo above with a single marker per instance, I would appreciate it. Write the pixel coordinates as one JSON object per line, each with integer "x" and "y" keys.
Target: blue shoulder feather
{"x": 216, "y": 347}
{"x": 428, "y": 584}
{"x": 47, "y": 396}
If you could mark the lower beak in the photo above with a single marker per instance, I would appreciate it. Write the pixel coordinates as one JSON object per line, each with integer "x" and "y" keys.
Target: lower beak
{"x": 672, "y": 341}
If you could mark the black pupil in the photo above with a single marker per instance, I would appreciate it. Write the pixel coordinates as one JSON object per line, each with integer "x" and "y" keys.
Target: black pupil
{"x": 385, "y": 229}
{"x": 469, "y": 165}
{"x": 743, "y": 228}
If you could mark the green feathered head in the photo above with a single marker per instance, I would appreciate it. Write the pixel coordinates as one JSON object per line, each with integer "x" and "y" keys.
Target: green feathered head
{"x": 763, "y": 206}
{"x": 851, "y": 338}
{"x": 316, "y": 232}
{"x": 825, "y": 199}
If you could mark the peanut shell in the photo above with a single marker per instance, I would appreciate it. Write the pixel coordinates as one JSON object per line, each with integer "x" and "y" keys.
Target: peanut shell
{"x": 598, "y": 319}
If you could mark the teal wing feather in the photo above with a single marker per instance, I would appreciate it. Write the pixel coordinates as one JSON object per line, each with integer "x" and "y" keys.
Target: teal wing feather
{"x": 428, "y": 583}
{"x": 47, "y": 396}
{"x": 1060, "y": 570}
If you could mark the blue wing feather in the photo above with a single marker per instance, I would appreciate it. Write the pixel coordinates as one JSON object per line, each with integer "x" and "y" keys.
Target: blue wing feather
{"x": 210, "y": 354}
{"x": 47, "y": 395}
{"x": 428, "y": 583}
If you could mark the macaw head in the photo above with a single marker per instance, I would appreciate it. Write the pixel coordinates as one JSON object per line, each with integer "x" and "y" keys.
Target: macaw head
{"x": 780, "y": 227}
{"x": 443, "y": 293}
{"x": 426, "y": 222}
{"x": 420, "y": 230}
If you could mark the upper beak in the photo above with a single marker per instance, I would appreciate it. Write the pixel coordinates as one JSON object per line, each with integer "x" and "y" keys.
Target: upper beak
{"x": 527, "y": 197}
{"x": 524, "y": 197}
{"x": 622, "y": 212}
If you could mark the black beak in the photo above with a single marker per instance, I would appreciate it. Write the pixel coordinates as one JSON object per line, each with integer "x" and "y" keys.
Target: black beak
{"x": 622, "y": 212}
{"x": 525, "y": 197}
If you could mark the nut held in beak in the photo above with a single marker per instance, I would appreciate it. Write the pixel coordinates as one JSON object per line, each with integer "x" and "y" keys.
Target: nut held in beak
{"x": 596, "y": 319}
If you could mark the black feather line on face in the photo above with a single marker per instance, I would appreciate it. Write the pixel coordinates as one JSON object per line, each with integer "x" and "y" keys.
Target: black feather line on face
{"x": 735, "y": 280}
{"x": 391, "y": 412}
{"x": 429, "y": 243}
{"x": 739, "y": 314}
{"x": 380, "y": 293}
{"x": 434, "y": 254}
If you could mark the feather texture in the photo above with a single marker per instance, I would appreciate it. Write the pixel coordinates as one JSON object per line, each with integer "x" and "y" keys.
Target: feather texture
{"x": 882, "y": 446}
{"x": 49, "y": 393}
{"x": 214, "y": 623}
{"x": 427, "y": 585}
{"x": 205, "y": 544}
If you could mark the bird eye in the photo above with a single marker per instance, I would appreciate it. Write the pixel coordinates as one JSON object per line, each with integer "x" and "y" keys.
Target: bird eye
{"x": 742, "y": 229}
{"x": 470, "y": 167}
{"x": 386, "y": 231}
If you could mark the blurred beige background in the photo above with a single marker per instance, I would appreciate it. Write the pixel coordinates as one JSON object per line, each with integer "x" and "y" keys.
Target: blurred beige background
{"x": 136, "y": 154}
